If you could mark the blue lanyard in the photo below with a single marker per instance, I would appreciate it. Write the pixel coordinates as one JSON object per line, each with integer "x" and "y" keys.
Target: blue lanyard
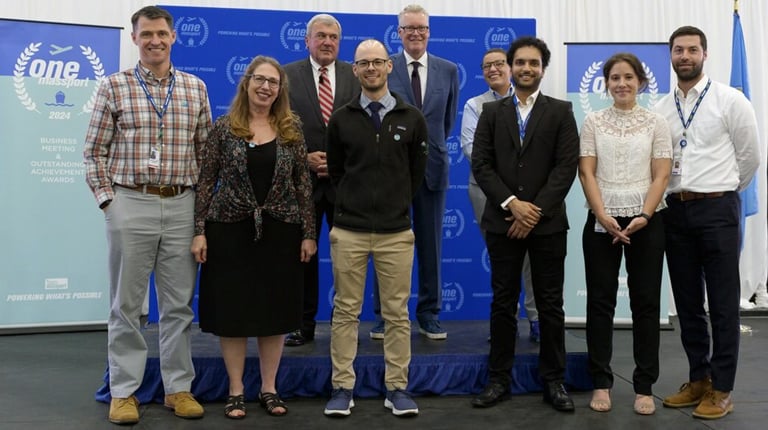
{"x": 686, "y": 124}
{"x": 160, "y": 112}
{"x": 521, "y": 124}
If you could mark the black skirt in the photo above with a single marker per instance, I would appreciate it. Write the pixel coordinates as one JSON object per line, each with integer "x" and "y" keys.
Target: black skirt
{"x": 251, "y": 288}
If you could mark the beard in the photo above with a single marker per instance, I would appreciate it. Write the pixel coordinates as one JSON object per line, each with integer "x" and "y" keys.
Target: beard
{"x": 532, "y": 86}
{"x": 688, "y": 75}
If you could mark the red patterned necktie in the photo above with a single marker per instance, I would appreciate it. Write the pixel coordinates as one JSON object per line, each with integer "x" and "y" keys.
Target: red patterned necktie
{"x": 325, "y": 95}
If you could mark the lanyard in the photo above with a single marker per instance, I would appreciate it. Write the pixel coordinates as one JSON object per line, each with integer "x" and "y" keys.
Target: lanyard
{"x": 521, "y": 124}
{"x": 160, "y": 112}
{"x": 686, "y": 124}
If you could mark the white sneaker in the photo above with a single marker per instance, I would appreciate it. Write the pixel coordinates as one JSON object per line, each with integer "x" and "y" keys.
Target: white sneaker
{"x": 746, "y": 305}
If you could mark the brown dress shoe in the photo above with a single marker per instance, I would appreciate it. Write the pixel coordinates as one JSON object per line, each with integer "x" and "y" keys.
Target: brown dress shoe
{"x": 690, "y": 394}
{"x": 184, "y": 405}
{"x": 714, "y": 405}
{"x": 124, "y": 410}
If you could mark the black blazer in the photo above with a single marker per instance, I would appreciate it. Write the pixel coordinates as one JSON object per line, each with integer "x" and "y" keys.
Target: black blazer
{"x": 302, "y": 91}
{"x": 541, "y": 170}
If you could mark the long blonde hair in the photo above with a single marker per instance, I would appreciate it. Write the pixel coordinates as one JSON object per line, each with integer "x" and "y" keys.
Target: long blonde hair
{"x": 281, "y": 118}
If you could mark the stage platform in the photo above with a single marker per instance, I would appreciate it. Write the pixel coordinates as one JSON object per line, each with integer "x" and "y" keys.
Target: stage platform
{"x": 456, "y": 366}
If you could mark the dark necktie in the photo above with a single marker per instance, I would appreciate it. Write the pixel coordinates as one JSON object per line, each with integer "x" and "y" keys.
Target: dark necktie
{"x": 416, "y": 84}
{"x": 374, "y": 107}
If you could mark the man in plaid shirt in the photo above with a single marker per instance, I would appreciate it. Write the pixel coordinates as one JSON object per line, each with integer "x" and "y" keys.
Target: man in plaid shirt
{"x": 142, "y": 154}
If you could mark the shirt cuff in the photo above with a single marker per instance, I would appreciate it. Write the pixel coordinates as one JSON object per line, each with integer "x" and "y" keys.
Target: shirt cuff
{"x": 506, "y": 202}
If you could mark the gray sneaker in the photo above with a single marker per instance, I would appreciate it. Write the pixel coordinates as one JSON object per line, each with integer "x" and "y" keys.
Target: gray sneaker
{"x": 432, "y": 330}
{"x": 341, "y": 403}
{"x": 401, "y": 403}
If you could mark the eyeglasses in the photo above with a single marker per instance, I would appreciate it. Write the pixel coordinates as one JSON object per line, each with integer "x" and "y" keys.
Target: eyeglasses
{"x": 497, "y": 64}
{"x": 410, "y": 29}
{"x": 377, "y": 63}
{"x": 259, "y": 80}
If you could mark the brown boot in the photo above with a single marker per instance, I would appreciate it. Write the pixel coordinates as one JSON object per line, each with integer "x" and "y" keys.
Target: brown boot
{"x": 124, "y": 410}
{"x": 714, "y": 405}
{"x": 690, "y": 394}
{"x": 184, "y": 405}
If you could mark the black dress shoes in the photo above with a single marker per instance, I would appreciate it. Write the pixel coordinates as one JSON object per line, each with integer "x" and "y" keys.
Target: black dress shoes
{"x": 555, "y": 395}
{"x": 298, "y": 338}
{"x": 493, "y": 393}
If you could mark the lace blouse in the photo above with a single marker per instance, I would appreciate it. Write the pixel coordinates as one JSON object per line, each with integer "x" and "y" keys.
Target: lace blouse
{"x": 625, "y": 143}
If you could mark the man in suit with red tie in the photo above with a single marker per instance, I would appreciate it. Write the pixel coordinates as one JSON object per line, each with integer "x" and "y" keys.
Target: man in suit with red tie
{"x": 319, "y": 85}
{"x": 524, "y": 158}
{"x": 432, "y": 85}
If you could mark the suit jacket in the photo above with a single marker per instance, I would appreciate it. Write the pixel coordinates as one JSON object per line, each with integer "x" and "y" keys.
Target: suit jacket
{"x": 440, "y": 105}
{"x": 302, "y": 92}
{"x": 541, "y": 170}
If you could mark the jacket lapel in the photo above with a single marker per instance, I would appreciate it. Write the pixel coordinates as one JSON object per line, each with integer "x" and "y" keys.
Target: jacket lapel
{"x": 509, "y": 113}
{"x": 310, "y": 89}
{"x": 539, "y": 107}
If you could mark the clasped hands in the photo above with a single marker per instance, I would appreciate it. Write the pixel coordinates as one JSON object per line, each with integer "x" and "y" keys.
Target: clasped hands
{"x": 614, "y": 229}
{"x": 525, "y": 216}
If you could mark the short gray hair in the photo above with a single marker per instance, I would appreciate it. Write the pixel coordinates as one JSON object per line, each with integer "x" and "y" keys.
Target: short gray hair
{"x": 322, "y": 18}
{"x": 411, "y": 8}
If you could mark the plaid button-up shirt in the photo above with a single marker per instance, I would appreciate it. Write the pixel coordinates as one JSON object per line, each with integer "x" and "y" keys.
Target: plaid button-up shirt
{"x": 125, "y": 128}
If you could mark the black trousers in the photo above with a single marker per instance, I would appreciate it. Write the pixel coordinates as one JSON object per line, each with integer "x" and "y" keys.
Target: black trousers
{"x": 547, "y": 255}
{"x": 312, "y": 269}
{"x": 644, "y": 260}
{"x": 702, "y": 241}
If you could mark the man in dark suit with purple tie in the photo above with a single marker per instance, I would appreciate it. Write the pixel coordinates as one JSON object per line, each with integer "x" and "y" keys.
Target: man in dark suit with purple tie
{"x": 319, "y": 85}
{"x": 431, "y": 84}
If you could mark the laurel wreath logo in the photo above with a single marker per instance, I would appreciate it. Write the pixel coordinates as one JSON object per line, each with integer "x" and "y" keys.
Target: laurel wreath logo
{"x": 177, "y": 27}
{"x": 653, "y": 86}
{"x": 586, "y": 81}
{"x": 21, "y": 67}
{"x": 18, "y": 76}
{"x": 98, "y": 72}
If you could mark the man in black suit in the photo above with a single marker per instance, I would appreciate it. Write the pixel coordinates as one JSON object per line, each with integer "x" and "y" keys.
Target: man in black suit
{"x": 524, "y": 158}
{"x": 318, "y": 86}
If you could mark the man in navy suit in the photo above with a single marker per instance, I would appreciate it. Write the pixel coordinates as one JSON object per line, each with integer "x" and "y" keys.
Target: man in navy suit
{"x": 524, "y": 158}
{"x": 304, "y": 77}
{"x": 433, "y": 87}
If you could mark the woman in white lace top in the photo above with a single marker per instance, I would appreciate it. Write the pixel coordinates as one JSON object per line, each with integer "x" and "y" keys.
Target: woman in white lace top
{"x": 624, "y": 167}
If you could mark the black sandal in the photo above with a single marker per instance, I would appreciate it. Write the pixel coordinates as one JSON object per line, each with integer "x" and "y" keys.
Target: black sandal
{"x": 271, "y": 401}
{"x": 235, "y": 403}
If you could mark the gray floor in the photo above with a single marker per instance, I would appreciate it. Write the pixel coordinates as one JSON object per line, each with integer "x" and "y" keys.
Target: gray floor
{"x": 47, "y": 381}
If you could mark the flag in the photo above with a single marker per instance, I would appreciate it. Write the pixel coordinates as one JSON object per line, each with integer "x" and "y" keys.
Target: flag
{"x": 740, "y": 81}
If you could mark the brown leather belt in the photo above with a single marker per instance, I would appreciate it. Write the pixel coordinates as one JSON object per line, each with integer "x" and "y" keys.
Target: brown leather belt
{"x": 690, "y": 195}
{"x": 158, "y": 190}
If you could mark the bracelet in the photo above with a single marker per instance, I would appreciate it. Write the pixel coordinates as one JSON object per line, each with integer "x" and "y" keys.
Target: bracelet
{"x": 646, "y": 216}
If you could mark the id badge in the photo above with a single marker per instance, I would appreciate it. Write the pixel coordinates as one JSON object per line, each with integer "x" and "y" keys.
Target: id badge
{"x": 677, "y": 163}
{"x": 154, "y": 158}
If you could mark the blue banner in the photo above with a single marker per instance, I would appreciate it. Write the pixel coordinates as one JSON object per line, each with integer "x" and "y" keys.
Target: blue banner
{"x": 588, "y": 92}
{"x": 217, "y": 45}
{"x": 53, "y": 265}
{"x": 740, "y": 81}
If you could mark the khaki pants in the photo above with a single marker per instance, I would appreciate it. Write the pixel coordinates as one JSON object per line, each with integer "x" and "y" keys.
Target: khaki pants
{"x": 393, "y": 260}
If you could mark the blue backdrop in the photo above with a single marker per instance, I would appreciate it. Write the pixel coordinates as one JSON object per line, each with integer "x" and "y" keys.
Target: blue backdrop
{"x": 217, "y": 44}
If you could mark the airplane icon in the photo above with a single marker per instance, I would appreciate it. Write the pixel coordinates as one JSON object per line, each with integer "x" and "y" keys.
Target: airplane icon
{"x": 58, "y": 49}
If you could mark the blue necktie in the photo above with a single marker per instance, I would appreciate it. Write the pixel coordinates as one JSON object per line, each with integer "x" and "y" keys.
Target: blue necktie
{"x": 374, "y": 107}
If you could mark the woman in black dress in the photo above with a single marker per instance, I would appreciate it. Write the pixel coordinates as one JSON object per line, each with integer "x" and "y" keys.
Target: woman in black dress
{"x": 254, "y": 227}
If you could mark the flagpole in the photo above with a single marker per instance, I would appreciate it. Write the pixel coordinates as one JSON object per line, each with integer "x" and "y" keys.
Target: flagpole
{"x": 736, "y": 6}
